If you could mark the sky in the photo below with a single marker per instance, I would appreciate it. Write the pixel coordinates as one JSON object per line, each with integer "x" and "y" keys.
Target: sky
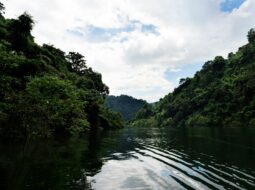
{"x": 141, "y": 47}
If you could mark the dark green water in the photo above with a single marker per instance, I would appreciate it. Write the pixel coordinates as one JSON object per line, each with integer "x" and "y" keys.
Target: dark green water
{"x": 140, "y": 158}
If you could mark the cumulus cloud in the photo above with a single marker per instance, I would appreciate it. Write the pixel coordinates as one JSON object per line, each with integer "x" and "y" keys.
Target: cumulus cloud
{"x": 134, "y": 44}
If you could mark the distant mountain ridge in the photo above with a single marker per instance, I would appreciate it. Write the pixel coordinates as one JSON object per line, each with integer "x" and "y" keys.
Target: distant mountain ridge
{"x": 127, "y": 106}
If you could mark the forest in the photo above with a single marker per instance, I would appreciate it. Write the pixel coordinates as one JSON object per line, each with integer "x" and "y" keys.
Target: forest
{"x": 221, "y": 94}
{"x": 44, "y": 91}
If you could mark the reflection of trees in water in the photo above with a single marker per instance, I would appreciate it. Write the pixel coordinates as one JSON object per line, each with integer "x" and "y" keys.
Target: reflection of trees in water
{"x": 70, "y": 164}
{"x": 91, "y": 160}
{"x": 45, "y": 165}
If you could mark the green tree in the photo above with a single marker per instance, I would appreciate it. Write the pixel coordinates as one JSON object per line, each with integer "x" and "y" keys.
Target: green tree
{"x": 21, "y": 32}
{"x": 51, "y": 105}
{"x": 77, "y": 62}
{"x": 251, "y": 36}
{"x": 2, "y": 9}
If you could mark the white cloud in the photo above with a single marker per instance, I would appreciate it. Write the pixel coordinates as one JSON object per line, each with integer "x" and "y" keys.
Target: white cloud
{"x": 133, "y": 61}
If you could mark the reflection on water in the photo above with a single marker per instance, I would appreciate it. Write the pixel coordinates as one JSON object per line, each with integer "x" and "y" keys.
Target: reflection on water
{"x": 134, "y": 158}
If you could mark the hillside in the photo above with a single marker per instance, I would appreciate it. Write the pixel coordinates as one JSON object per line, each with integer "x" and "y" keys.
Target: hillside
{"x": 127, "y": 106}
{"x": 222, "y": 94}
{"x": 43, "y": 90}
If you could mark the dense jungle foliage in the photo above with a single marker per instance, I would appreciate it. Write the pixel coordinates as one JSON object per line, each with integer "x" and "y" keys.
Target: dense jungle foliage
{"x": 43, "y": 90}
{"x": 127, "y": 106}
{"x": 222, "y": 94}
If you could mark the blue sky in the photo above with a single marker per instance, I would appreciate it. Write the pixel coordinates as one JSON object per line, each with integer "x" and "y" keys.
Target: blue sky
{"x": 142, "y": 48}
{"x": 174, "y": 75}
{"x": 100, "y": 34}
{"x": 229, "y": 5}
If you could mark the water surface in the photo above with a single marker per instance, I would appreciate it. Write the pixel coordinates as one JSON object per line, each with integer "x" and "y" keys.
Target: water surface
{"x": 134, "y": 158}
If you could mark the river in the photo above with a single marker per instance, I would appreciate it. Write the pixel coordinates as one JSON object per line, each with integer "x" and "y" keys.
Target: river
{"x": 134, "y": 158}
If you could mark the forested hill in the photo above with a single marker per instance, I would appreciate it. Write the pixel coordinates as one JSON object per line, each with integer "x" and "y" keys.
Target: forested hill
{"x": 127, "y": 106}
{"x": 43, "y": 90}
{"x": 222, "y": 94}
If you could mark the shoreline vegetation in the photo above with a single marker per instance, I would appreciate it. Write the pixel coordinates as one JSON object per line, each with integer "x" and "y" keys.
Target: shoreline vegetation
{"x": 44, "y": 91}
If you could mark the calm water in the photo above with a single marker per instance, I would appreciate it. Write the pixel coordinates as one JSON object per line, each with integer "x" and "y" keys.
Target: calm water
{"x": 139, "y": 158}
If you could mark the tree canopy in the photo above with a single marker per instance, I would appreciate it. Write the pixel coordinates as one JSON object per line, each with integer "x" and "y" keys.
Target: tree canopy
{"x": 76, "y": 61}
{"x": 251, "y": 36}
